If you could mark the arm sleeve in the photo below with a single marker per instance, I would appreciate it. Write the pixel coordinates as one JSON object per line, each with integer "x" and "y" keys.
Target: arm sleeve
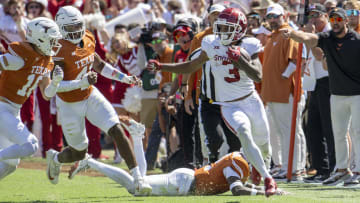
{"x": 252, "y": 45}
{"x": 206, "y": 46}
{"x": 11, "y": 62}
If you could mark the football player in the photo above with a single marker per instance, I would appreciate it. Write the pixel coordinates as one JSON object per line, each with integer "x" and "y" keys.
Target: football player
{"x": 229, "y": 173}
{"x": 26, "y": 66}
{"x": 235, "y": 66}
{"x": 78, "y": 99}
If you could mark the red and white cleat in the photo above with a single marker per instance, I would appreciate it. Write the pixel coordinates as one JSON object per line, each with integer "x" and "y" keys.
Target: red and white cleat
{"x": 270, "y": 187}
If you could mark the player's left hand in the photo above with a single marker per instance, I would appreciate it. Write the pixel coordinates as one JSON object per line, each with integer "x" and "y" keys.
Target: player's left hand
{"x": 57, "y": 75}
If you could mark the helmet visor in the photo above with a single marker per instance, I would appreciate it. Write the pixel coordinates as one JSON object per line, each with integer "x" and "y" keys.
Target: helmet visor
{"x": 74, "y": 31}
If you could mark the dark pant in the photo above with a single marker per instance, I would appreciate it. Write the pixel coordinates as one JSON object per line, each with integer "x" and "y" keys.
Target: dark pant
{"x": 319, "y": 129}
{"x": 154, "y": 141}
{"x": 188, "y": 130}
{"x": 215, "y": 127}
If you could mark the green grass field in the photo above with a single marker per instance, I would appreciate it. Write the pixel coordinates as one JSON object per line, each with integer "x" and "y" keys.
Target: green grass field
{"x": 31, "y": 185}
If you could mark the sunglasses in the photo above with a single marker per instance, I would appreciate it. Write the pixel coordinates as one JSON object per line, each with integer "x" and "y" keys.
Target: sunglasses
{"x": 352, "y": 12}
{"x": 156, "y": 41}
{"x": 337, "y": 19}
{"x": 272, "y": 16}
{"x": 315, "y": 15}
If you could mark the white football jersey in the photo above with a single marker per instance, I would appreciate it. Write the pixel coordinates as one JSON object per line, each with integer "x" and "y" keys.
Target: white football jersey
{"x": 230, "y": 82}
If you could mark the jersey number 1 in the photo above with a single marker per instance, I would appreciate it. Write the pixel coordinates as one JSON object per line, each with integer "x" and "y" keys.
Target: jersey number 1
{"x": 27, "y": 88}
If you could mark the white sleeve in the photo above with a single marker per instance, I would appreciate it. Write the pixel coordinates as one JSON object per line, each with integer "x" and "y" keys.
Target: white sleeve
{"x": 252, "y": 45}
{"x": 11, "y": 62}
{"x": 206, "y": 45}
{"x": 195, "y": 54}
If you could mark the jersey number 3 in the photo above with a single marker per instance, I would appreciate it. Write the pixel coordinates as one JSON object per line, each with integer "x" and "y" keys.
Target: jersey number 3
{"x": 235, "y": 72}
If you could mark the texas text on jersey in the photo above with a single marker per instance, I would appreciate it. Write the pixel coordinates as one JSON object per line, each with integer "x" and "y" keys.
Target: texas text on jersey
{"x": 16, "y": 86}
{"x": 79, "y": 62}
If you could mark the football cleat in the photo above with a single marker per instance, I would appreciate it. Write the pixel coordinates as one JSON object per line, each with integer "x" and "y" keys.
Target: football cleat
{"x": 79, "y": 166}
{"x": 53, "y": 169}
{"x": 270, "y": 187}
{"x": 142, "y": 188}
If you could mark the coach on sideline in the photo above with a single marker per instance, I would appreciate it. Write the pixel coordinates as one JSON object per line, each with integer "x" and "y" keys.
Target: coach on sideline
{"x": 341, "y": 46}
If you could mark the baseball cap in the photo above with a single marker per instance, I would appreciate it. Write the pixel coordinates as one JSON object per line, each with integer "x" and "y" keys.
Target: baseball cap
{"x": 317, "y": 8}
{"x": 261, "y": 30}
{"x": 276, "y": 9}
{"x": 338, "y": 11}
{"x": 216, "y": 8}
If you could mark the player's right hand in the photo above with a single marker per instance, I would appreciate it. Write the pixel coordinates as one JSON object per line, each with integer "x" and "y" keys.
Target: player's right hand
{"x": 57, "y": 75}
{"x": 153, "y": 65}
{"x": 92, "y": 77}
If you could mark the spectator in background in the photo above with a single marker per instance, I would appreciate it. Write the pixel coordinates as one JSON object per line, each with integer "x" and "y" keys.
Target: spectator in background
{"x": 196, "y": 7}
{"x": 37, "y": 8}
{"x": 353, "y": 13}
{"x": 54, "y": 5}
{"x": 253, "y": 22}
{"x": 329, "y": 5}
{"x": 279, "y": 63}
{"x": 173, "y": 7}
{"x": 114, "y": 10}
{"x": 131, "y": 4}
{"x": 13, "y": 24}
{"x": 164, "y": 53}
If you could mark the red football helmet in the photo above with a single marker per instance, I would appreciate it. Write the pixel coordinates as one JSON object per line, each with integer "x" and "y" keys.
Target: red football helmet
{"x": 235, "y": 22}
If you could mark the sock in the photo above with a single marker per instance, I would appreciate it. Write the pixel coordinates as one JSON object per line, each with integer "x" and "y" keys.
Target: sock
{"x": 140, "y": 155}
{"x": 266, "y": 154}
{"x": 56, "y": 160}
{"x": 135, "y": 172}
{"x": 118, "y": 175}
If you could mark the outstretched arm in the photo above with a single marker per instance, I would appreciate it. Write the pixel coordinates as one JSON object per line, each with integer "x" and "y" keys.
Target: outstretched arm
{"x": 186, "y": 67}
{"x": 238, "y": 188}
{"x": 310, "y": 39}
{"x": 110, "y": 72}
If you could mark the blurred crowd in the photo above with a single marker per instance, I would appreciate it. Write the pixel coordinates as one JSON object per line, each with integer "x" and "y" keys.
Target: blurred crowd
{"x": 183, "y": 127}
